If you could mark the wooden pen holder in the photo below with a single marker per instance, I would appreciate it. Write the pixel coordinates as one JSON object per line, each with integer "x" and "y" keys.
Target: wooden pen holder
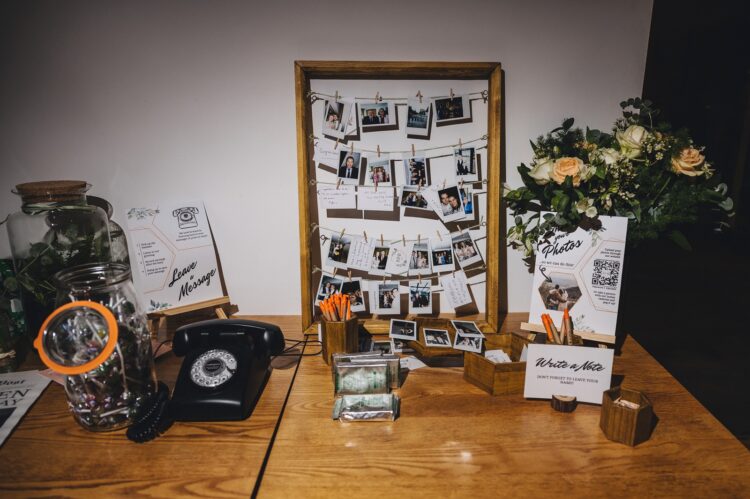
{"x": 339, "y": 337}
{"x": 499, "y": 378}
{"x": 622, "y": 424}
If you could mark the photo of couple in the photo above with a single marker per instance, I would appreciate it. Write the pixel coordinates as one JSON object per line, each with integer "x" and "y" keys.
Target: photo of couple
{"x": 560, "y": 291}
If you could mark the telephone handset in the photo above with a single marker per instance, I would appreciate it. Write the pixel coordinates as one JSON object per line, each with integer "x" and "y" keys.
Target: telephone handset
{"x": 225, "y": 368}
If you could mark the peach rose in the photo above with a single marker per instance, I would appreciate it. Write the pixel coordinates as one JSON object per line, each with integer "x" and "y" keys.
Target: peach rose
{"x": 567, "y": 167}
{"x": 689, "y": 162}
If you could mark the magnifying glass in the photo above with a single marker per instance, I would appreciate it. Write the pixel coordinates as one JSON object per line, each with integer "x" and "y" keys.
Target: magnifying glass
{"x": 77, "y": 338}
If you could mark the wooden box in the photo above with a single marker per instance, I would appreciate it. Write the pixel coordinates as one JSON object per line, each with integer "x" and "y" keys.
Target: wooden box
{"x": 339, "y": 337}
{"x": 623, "y": 424}
{"x": 425, "y": 351}
{"x": 503, "y": 378}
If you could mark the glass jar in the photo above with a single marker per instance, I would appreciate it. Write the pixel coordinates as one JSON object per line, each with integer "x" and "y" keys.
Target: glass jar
{"x": 98, "y": 338}
{"x": 54, "y": 230}
{"x": 118, "y": 240}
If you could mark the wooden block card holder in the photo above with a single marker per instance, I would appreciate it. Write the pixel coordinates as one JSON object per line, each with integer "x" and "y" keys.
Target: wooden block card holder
{"x": 629, "y": 423}
{"x": 339, "y": 337}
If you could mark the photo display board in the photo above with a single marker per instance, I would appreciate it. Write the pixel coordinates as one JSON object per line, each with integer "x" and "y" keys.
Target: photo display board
{"x": 400, "y": 190}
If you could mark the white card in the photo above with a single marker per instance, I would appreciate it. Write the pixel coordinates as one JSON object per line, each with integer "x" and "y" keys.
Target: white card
{"x": 370, "y": 198}
{"x": 331, "y": 198}
{"x": 399, "y": 256}
{"x": 172, "y": 255}
{"x": 581, "y": 372}
{"x": 411, "y": 363}
{"x": 18, "y": 392}
{"x": 456, "y": 289}
{"x": 497, "y": 356}
{"x": 360, "y": 253}
{"x": 325, "y": 153}
{"x": 581, "y": 270}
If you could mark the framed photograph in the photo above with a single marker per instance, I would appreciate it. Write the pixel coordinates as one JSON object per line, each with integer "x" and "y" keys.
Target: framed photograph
{"x": 419, "y": 264}
{"x": 467, "y": 328}
{"x": 353, "y": 288}
{"x": 468, "y": 343}
{"x": 349, "y": 163}
{"x": 384, "y": 347}
{"x": 413, "y": 197}
{"x": 338, "y": 251}
{"x": 420, "y": 297}
{"x": 465, "y": 250}
{"x": 441, "y": 254}
{"x": 328, "y": 286}
{"x": 465, "y": 164}
{"x": 452, "y": 110}
{"x": 336, "y": 118}
{"x": 416, "y": 171}
{"x": 386, "y": 298}
{"x": 377, "y": 116}
{"x": 379, "y": 259}
{"x": 437, "y": 338}
{"x": 378, "y": 171}
{"x": 451, "y": 206}
{"x": 418, "y": 118}
{"x": 403, "y": 330}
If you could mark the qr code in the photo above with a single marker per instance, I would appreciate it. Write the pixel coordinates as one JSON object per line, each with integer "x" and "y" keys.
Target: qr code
{"x": 606, "y": 273}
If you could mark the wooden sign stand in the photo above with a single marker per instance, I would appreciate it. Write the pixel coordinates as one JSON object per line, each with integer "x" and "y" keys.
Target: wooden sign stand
{"x": 163, "y": 323}
{"x": 590, "y": 336}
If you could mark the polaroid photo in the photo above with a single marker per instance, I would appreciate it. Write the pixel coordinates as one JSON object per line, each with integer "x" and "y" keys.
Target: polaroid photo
{"x": 418, "y": 117}
{"x": 377, "y": 116}
{"x": 384, "y": 347}
{"x": 420, "y": 297}
{"x": 413, "y": 197}
{"x": 467, "y": 328}
{"x": 349, "y": 163}
{"x": 385, "y": 298}
{"x": 378, "y": 171}
{"x": 416, "y": 171}
{"x": 451, "y": 206}
{"x": 467, "y": 199}
{"x": 379, "y": 258}
{"x": 328, "y": 286}
{"x": 400, "y": 346}
{"x": 336, "y": 117}
{"x": 451, "y": 110}
{"x": 468, "y": 343}
{"x": 437, "y": 338}
{"x": 465, "y": 164}
{"x": 353, "y": 288}
{"x": 441, "y": 255}
{"x": 464, "y": 249}
{"x": 419, "y": 264}
{"x": 338, "y": 251}
{"x": 403, "y": 330}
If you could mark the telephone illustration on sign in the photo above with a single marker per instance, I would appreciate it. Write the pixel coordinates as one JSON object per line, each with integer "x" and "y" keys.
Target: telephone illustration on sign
{"x": 186, "y": 217}
{"x": 225, "y": 369}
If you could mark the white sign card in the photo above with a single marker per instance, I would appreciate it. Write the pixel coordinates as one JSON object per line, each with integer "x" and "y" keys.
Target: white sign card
{"x": 338, "y": 197}
{"x": 18, "y": 392}
{"x": 456, "y": 289}
{"x": 399, "y": 257}
{"x": 172, "y": 255}
{"x": 580, "y": 270}
{"x": 581, "y": 372}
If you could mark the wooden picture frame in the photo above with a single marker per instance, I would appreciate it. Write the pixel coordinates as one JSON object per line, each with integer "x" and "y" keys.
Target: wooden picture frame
{"x": 495, "y": 259}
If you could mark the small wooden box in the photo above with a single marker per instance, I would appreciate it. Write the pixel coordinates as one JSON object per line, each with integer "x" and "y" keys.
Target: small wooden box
{"x": 503, "y": 378}
{"x": 339, "y": 337}
{"x": 425, "y": 351}
{"x": 623, "y": 424}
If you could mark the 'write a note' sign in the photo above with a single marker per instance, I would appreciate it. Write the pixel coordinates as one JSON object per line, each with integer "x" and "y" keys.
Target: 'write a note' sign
{"x": 581, "y": 372}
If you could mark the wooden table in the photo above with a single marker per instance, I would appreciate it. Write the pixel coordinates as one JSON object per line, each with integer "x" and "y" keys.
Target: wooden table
{"x": 454, "y": 440}
{"x": 49, "y": 455}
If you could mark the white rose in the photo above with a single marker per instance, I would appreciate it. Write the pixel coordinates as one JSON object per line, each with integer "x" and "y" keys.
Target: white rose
{"x": 631, "y": 140}
{"x": 586, "y": 206}
{"x": 609, "y": 156}
{"x": 587, "y": 172}
{"x": 542, "y": 170}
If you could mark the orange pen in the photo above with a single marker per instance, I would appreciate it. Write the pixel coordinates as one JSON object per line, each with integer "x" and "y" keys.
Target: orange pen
{"x": 545, "y": 321}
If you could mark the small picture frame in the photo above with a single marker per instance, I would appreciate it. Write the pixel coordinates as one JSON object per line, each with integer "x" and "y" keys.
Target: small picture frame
{"x": 438, "y": 338}
{"x": 403, "y": 330}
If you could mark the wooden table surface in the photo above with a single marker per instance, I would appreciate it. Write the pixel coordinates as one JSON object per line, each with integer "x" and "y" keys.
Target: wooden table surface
{"x": 49, "y": 455}
{"x": 454, "y": 440}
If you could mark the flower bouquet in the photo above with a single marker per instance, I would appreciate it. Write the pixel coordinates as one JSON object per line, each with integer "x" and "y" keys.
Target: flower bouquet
{"x": 656, "y": 177}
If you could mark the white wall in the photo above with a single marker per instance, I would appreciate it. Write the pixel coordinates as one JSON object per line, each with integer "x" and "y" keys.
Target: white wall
{"x": 154, "y": 100}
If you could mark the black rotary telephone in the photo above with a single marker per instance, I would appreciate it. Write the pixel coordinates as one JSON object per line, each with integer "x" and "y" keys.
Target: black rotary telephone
{"x": 225, "y": 369}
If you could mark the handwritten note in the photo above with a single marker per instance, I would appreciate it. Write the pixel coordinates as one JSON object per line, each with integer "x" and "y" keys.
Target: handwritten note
{"x": 456, "y": 289}
{"x": 360, "y": 253}
{"x": 326, "y": 153}
{"x": 376, "y": 200}
{"x": 344, "y": 197}
{"x": 399, "y": 256}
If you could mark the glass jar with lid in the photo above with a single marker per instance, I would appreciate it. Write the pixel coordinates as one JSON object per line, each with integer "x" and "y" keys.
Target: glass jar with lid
{"x": 55, "y": 229}
{"x": 99, "y": 339}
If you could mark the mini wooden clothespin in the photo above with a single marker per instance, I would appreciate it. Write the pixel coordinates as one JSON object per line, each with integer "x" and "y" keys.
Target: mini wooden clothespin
{"x": 419, "y": 96}
{"x": 378, "y": 150}
{"x": 336, "y": 97}
{"x": 403, "y": 238}
{"x": 460, "y": 144}
{"x": 350, "y": 274}
{"x": 338, "y": 184}
{"x": 451, "y": 93}
{"x": 484, "y": 96}
{"x": 420, "y": 278}
{"x": 444, "y": 182}
{"x": 419, "y": 238}
{"x": 376, "y": 186}
{"x": 342, "y": 233}
{"x": 351, "y": 148}
{"x": 364, "y": 233}
{"x": 336, "y": 145}
{"x": 454, "y": 273}
{"x": 383, "y": 278}
{"x": 413, "y": 151}
{"x": 438, "y": 234}
{"x": 335, "y": 269}
{"x": 461, "y": 183}
{"x": 382, "y": 243}
{"x": 378, "y": 98}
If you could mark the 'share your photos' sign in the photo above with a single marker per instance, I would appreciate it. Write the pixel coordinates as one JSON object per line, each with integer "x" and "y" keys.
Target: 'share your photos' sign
{"x": 581, "y": 271}
{"x": 172, "y": 255}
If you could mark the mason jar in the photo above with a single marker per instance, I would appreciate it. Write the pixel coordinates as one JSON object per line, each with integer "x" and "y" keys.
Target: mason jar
{"x": 54, "y": 230}
{"x": 98, "y": 337}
